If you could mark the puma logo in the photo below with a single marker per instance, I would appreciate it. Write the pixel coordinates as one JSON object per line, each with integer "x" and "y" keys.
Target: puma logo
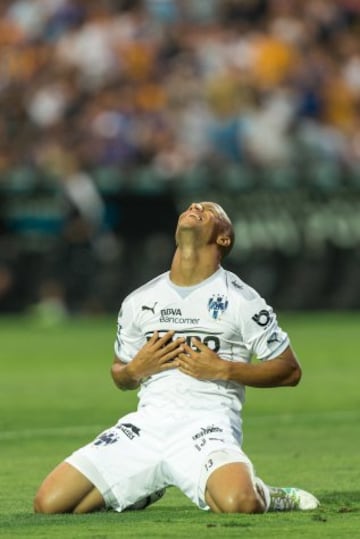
{"x": 146, "y": 308}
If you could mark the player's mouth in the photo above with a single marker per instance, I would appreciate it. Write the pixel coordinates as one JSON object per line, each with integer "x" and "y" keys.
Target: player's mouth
{"x": 196, "y": 215}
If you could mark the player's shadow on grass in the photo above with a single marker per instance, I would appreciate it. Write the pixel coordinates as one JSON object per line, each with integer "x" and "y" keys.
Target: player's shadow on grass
{"x": 346, "y": 501}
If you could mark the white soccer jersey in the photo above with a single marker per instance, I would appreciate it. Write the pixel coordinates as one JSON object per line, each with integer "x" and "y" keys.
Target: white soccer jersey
{"x": 223, "y": 312}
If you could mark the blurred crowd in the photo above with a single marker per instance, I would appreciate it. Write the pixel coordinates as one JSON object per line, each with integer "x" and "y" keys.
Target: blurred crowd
{"x": 165, "y": 86}
{"x": 174, "y": 82}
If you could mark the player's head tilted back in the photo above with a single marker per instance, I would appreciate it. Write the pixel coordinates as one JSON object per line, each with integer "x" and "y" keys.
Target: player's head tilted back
{"x": 210, "y": 223}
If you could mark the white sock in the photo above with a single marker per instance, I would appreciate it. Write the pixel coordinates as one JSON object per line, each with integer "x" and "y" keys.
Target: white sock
{"x": 264, "y": 492}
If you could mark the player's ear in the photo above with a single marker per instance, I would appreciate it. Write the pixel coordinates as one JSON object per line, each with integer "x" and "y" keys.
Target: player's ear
{"x": 223, "y": 241}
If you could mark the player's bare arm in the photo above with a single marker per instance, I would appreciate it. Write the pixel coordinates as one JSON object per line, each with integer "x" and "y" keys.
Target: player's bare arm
{"x": 157, "y": 355}
{"x": 204, "y": 364}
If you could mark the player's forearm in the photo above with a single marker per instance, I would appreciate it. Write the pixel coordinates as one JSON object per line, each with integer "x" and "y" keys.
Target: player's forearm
{"x": 273, "y": 373}
{"x": 124, "y": 376}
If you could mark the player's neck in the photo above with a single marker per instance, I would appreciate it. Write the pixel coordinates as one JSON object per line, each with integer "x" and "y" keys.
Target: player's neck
{"x": 190, "y": 266}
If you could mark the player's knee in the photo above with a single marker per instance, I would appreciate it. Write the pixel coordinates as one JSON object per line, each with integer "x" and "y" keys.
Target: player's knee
{"x": 44, "y": 504}
{"x": 240, "y": 503}
{"x": 40, "y": 504}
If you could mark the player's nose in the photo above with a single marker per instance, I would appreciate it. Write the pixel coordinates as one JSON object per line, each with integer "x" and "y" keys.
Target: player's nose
{"x": 196, "y": 206}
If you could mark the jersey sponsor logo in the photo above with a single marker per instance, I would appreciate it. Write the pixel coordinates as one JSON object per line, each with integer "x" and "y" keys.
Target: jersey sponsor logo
{"x": 262, "y": 318}
{"x": 217, "y": 305}
{"x": 147, "y": 308}
{"x": 171, "y": 312}
{"x": 211, "y": 341}
{"x": 175, "y": 316}
{"x": 179, "y": 320}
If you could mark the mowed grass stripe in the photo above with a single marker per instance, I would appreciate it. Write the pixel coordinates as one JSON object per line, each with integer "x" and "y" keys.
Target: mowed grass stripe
{"x": 333, "y": 416}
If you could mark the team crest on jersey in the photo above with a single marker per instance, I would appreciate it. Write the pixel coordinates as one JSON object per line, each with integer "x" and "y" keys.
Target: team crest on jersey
{"x": 217, "y": 305}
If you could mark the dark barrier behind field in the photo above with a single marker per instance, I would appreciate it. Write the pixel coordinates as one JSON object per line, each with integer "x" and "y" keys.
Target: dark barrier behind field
{"x": 297, "y": 233}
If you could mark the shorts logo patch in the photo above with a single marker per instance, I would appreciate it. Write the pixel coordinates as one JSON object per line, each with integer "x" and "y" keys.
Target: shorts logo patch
{"x": 206, "y": 435}
{"x": 129, "y": 430}
{"x": 107, "y": 438}
{"x": 204, "y": 431}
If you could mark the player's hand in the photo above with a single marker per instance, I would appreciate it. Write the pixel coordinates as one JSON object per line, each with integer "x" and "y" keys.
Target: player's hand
{"x": 158, "y": 354}
{"x": 203, "y": 363}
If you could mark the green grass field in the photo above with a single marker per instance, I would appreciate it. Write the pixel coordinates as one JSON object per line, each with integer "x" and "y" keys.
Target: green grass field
{"x": 56, "y": 394}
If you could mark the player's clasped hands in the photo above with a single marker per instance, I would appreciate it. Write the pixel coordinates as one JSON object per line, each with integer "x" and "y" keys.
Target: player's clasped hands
{"x": 163, "y": 353}
{"x": 158, "y": 354}
{"x": 201, "y": 362}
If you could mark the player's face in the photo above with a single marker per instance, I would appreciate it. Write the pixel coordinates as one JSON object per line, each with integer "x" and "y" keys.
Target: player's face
{"x": 207, "y": 216}
{"x": 200, "y": 213}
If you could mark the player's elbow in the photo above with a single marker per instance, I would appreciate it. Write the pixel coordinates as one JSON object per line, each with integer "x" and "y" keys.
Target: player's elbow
{"x": 294, "y": 376}
{"x": 291, "y": 368}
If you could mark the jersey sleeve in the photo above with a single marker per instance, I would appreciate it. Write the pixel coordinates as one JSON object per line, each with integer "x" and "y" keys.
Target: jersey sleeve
{"x": 262, "y": 334}
{"x": 129, "y": 339}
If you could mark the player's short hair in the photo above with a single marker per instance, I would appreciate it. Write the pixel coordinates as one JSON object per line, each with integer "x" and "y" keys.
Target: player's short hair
{"x": 226, "y": 224}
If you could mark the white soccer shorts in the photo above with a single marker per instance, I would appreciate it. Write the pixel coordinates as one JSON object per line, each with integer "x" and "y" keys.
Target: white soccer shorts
{"x": 147, "y": 451}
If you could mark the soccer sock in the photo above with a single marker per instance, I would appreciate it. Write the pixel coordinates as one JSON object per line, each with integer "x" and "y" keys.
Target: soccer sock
{"x": 264, "y": 492}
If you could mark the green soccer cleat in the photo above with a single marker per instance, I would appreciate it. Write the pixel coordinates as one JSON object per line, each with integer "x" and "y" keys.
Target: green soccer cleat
{"x": 291, "y": 499}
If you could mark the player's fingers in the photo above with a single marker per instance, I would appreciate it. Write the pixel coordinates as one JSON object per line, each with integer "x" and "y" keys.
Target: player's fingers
{"x": 171, "y": 354}
{"x": 189, "y": 351}
{"x": 153, "y": 339}
{"x": 184, "y": 362}
{"x": 172, "y": 364}
{"x": 164, "y": 340}
{"x": 177, "y": 344}
{"x": 200, "y": 345}
{"x": 185, "y": 369}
